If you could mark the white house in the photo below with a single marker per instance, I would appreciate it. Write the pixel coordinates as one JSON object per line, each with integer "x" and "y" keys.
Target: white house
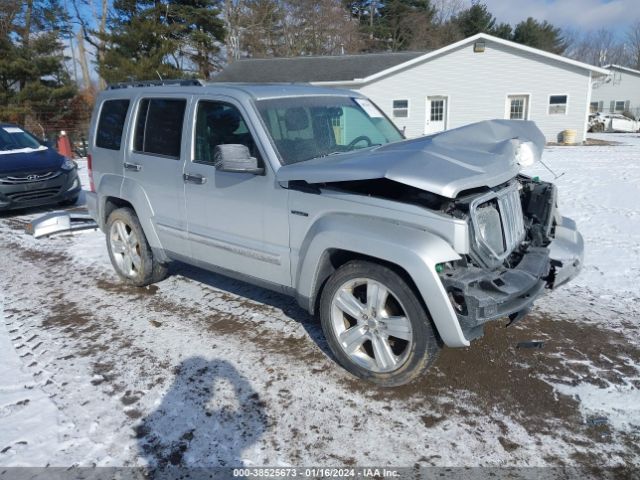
{"x": 478, "y": 78}
{"x": 620, "y": 92}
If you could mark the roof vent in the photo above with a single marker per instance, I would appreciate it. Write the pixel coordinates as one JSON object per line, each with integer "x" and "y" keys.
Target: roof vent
{"x": 479, "y": 46}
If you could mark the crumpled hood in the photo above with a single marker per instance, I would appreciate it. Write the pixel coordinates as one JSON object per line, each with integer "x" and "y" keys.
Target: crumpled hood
{"x": 476, "y": 155}
{"x": 33, "y": 161}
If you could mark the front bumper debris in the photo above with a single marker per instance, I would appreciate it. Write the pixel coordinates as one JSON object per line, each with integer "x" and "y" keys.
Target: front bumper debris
{"x": 60, "y": 222}
{"x": 478, "y": 295}
{"x": 566, "y": 252}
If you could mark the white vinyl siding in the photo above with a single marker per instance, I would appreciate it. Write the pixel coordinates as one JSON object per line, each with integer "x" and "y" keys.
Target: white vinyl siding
{"x": 621, "y": 86}
{"x": 477, "y": 85}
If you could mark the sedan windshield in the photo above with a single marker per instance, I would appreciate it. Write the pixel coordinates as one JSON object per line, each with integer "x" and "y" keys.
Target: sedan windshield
{"x": 14, "y": 138}
{"x": 303, "y": 128}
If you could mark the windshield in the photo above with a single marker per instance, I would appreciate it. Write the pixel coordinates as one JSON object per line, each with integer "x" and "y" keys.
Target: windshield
{"x": 309, "y": 127}
{"x": 14, "y": 138}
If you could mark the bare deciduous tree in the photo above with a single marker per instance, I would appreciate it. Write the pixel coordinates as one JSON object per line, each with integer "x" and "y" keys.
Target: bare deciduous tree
{"x": 633, "y": 42}
{"x": 295, "y": 27}
{"x": 596, "y": 48}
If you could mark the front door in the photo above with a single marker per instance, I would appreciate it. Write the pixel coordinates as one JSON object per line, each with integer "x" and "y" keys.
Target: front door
{"x": 236, "y": 221}
{"x": 436, "y": 120}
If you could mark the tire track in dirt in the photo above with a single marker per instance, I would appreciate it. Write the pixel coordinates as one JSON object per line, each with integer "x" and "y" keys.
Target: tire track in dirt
{"x": 491, "y": 381}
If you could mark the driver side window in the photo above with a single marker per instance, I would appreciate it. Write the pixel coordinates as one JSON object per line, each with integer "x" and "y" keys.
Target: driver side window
{"x": 219, "y": 123}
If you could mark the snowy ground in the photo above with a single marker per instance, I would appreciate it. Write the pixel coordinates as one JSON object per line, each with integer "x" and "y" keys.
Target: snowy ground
{"x": 201, "y": 370}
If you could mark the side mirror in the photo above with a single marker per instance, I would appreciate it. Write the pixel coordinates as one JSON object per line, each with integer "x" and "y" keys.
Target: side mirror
{"x": 236, "y": 158}
{"x": 46, "y": 143}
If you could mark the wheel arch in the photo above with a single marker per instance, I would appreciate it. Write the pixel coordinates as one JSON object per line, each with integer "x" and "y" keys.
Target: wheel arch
{"x": 131, "y": 195}
{"x": 411, "y": 252}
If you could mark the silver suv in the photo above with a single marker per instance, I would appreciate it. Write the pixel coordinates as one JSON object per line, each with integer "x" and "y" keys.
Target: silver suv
{"x": 400, "y": 246}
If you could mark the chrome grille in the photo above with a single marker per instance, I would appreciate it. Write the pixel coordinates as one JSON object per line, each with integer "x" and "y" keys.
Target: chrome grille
{"x": 30, "y": 178}
{"x": 507, "y": 201}
{"x": 512, "y": 218}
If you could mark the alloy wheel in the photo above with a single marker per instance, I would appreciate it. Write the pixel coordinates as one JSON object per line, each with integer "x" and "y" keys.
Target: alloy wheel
{"x": 125, "y": 248}
{"x": 371, "y": 325}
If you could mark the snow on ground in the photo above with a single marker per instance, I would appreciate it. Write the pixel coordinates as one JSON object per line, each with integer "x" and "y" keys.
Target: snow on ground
{"x": 202, "y": 370}
{"x": 600, "y": 189}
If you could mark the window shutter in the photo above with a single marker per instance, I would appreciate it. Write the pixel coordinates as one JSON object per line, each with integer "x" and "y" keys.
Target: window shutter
{"x": 612, "y": 106}
{"x": 627, "y": 105}
{"x": 600, "y": 106}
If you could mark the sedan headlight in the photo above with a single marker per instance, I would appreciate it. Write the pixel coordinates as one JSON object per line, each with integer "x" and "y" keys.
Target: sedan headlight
{"x": 490, "y": 227}
{"x": 68, "y": 165}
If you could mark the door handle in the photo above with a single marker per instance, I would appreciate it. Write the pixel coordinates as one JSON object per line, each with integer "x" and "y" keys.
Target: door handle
{"x": 195, "y": 179}
{"x": 132, "y": 166}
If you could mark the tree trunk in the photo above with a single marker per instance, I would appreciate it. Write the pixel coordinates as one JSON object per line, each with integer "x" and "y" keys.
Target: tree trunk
{"x": 84, "y": 65}
{"x": 101, "y": 31}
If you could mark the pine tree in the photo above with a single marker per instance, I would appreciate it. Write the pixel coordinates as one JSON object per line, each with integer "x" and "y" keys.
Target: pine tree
{"x": 151, "y": 39}
{"x": 475, "y": 19}
{"x": 34, "y": 83}
{"x": 401, "y": 21}
{"x": 542, "y": 35}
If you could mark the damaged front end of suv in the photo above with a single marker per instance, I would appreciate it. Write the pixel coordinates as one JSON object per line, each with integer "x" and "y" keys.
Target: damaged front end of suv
{"x": 518, "y": 244}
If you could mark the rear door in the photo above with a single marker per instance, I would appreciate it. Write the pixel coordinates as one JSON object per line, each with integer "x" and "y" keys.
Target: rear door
{"x": 155, "y": 163}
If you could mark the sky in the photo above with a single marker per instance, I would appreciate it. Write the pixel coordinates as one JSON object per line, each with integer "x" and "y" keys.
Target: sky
{"x": 581, "y": 15}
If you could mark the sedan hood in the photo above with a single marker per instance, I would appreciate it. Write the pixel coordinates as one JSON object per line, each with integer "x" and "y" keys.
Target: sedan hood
{"x": 30, "y": 160}
{"x": 481, "y": 154}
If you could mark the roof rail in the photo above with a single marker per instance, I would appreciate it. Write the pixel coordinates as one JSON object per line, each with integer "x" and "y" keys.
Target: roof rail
{"x": 183, "y": 82}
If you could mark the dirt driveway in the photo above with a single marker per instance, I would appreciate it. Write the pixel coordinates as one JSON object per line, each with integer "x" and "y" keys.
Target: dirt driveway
{"x": 201, "y": 370}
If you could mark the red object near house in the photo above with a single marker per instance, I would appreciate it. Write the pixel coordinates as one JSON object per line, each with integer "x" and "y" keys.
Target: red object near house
{"x": 64, "y": 146}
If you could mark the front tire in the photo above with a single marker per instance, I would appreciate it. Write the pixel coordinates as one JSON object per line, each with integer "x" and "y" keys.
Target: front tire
{"x": 129, "y": 250}
{"x": 376, "y": 326}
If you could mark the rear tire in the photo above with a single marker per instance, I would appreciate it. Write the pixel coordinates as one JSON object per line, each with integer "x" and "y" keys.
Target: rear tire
{"x": 376, "y": 326}
{"x": 129, "y": 250}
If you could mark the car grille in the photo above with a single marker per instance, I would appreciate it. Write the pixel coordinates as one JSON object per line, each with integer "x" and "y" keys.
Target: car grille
{"x": 509, "y": 207}
{"x": 30, "y": 178}
{"x": 512, "y": 218}
{"x": 40, "y": 194}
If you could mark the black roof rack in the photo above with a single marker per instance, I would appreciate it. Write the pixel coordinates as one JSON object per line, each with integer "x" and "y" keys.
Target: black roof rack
{"x": 183, "y": 82}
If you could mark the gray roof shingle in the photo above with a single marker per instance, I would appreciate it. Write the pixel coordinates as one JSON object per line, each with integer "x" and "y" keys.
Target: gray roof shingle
{"x": 312, "y": 69}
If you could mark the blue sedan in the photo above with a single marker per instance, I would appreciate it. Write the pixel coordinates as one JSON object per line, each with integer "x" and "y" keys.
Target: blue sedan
{"x": 32, "y": 174}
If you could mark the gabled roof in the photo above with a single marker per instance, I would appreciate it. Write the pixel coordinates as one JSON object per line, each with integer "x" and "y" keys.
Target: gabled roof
{"x": 312, "y": 69}
{"x": 479, "y": 36}
{"x": 624, "y": 69}
{"x": 352, "y": 70}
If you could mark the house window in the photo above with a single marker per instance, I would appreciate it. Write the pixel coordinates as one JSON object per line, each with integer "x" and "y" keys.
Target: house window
{"x": 437, "y": 110}
{"x": 620, "y": 106}
{"x": 401, "y": 108}
{"x": 596, "y": 107}
{"x": 558, "y": 104}
{"x": 517, "y": 107}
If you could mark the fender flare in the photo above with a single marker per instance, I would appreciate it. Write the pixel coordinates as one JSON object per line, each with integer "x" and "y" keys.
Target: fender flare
{"x": 414, "y": 250}
{"x": 126, "y": 189}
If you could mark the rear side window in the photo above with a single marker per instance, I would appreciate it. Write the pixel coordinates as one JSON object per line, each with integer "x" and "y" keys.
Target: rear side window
{"x": 111, "y": 124}
{"x": 159, "y": 126}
